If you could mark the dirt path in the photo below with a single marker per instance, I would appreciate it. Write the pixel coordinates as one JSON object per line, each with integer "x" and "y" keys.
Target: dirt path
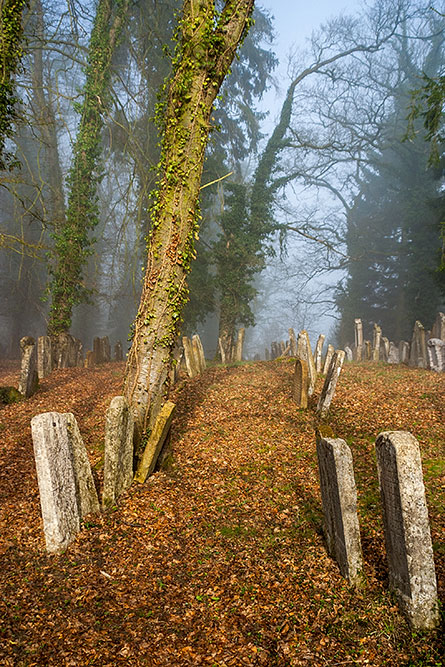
{"x": 218, "y": 559}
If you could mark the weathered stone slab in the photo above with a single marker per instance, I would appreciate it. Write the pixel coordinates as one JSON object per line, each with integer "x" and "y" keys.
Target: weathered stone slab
{"x": 222, "y": 351}
{"x": 89, "y": 359}
{"x": 407, "y": 532}
{"x": 29, "y": 379}
{"x": 339, "y": 499}
{"x": 404, "y": 352}
{"x": 301, "y": 383}
{"x": 418, "y": 353}
{"x": 318, "y": 353}
{"x": 328, "y": 358}
{"x": 436, "y": 355}
{"x": 438, "y": 330}
{"x": 56, "y": 478}
{"x": 118, "y": 466}
{"x": 118, "y": 353}
{"x": 189, "y": 356}
{"x": 198, "y": 351}
{"x": 393, "y": 355}
{"x": 85, "y": 488}
{"x": 105, "y": 349}
{"x": 97, "y": 350}
{"x": 368, "y": 350}
{"x": 330, "y": 383}
{"x": 238, "y": 353}
{"x": 384, "y": 348}
{"x": 155, "y": 442}
{"x": 44, "y": 357}
{"x": 304, "y": 352}
{"x": 376, "y": 341}
{"x": 293, "y": 342}
{"x": 358, "y": 336}
{"x": 348, "y": 353}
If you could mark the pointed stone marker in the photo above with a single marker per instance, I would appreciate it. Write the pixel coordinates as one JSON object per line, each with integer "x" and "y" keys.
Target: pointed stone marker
{"x": 407, "y": 532}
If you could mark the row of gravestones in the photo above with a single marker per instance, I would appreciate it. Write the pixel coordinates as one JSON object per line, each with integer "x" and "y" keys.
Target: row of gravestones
{"x": 62, "y": 351}
{"x": 426, "y": 350}
{"x": 405, "y": 518}
{"x": 66, "y": 485}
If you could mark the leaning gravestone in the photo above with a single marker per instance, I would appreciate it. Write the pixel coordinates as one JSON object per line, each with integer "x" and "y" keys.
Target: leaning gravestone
{"x": 339, "y": 499}
{"x": 304, "y": 352}
{"x": 29, "y": 379}
{"x": 328, "y": 358}
{"x": 330, "y": 383}
{"x": 318, "y": 353}
{"x": 407, "y": 532}
{"x": 118, "y": 466}
{"x": 66, "y": 486}
{"x": 436, "y": 355}
{"x": 44, "y": 357}
{"x": 301, "y": 382}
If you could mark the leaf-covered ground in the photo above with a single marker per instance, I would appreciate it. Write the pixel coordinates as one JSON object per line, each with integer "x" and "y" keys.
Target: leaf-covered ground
{"x": 218, "y": 559}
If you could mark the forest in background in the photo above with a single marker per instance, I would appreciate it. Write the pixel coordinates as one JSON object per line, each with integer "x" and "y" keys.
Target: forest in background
{"x": 336, "y": 190}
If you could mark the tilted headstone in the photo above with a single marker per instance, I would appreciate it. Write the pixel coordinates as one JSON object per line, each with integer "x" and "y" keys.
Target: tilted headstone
{"x": 328, "y": 358}
{"x": 29, "y": 379}
{"x": 198, "y": 351}
{"x": 118, "y": 466}
{"x": 44, "y": 357}
{"x": 436, "y": 355}
{"x": 238, "y": 356}
{"x": 64, "y": 477}
{"x": 318, "y": 353}
{"x": 190, "y": 361}
{"x": 301, "y": 383}
{"x": 330, "y": 383}
{"x": 438, "y": 330}
{"x": 155, "y": 442}
{"x": 403, "y": 352}
{"x": 339, "y": 499}
{"x": 418, "y": 354}
{"x": 105, "y": 349}
{"x": 348, "y": 353}
{"x": 376, "y": 341}
{"x": 384, "y": 348}
{"x": 407, "y": 533}
{"x": 358, "y": 335}
{"x": 97, "y": 350}
{"x": 304, "y": 352}
{"x": 118, "y": 353}
{"x": 393, "y": 356}
{"x": 293, "y": 342}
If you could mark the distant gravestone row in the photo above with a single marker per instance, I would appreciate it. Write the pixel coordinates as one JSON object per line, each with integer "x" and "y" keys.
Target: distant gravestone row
{"x": 426, "y": 349}
{"x": 405, "y": 517}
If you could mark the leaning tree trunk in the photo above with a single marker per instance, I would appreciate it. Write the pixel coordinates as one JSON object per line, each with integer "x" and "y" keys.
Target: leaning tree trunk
{"x": 208, "y": 42}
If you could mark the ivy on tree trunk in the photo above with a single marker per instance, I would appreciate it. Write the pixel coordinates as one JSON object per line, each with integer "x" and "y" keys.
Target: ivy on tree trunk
{"x": 207, "y": 41}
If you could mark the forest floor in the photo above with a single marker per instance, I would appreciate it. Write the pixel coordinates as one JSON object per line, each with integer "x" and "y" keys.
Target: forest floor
{"x": 218, "y": 559}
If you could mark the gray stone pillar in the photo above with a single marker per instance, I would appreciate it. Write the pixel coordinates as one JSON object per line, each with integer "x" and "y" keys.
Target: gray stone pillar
{"x": 407, "y": 533}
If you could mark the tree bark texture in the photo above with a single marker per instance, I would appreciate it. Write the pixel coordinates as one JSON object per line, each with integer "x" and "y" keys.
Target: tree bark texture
{"x": 208, "y": 41}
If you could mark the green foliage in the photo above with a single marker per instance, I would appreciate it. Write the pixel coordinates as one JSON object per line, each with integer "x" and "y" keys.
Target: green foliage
{"x": 73, "y": 243}
{"x": 428, "y": 103}
{"x": 9, "y": 395}
{"x": 10, "y": 54}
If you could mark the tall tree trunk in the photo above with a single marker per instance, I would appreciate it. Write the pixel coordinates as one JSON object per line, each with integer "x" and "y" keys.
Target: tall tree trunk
{"x": 208, "y": 41}
{"x": 72, "y": 242}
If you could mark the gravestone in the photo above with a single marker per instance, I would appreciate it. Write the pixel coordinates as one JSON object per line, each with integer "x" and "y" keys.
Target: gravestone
{"x": 222, "y": 351}
{"x": 318, "y": 353}
{"x": 384, "y": 348}
{"x": 407, "y": 533}
{"x": 436, "y": 355}
{"x": 118, "y": 354}
{"x": 418, "y": 353}
{"x": 300, "y": 384}
{"x": 358, "y": 335}
{"x": 328, "y": 358}
{"x": 393, "y": 355}
{"x": 64, "y": 352}
{"x": 368, "y": 350}
{"x": 78, "y": 347}
{"x": 274, "y": 350}
{"x": 198, "y": 351}
{"x": 376, "y": 340}
{"x": 118, "y": 466}
{"x": 155, "y": 442}
{"x": 67, "y": 491}
{"x": 190, "y": 361}
{"x": 438, "y": 330}
{"x": 304, "y": 352}
{"x": 330, "y": 383}
{"x": 44, "y": 357}
{"x": 97, "y": 350}
{"x": 238, "y": 356}
{"x": 89, "y": 359}
{"x": 339, "y": 500}
{"x": 348, "y": 353}
{"x": 105, "y": 348}
{"x": 29, "y": 379}
{"x": 293, "y": 342}
{"x": 403, "y": 352}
